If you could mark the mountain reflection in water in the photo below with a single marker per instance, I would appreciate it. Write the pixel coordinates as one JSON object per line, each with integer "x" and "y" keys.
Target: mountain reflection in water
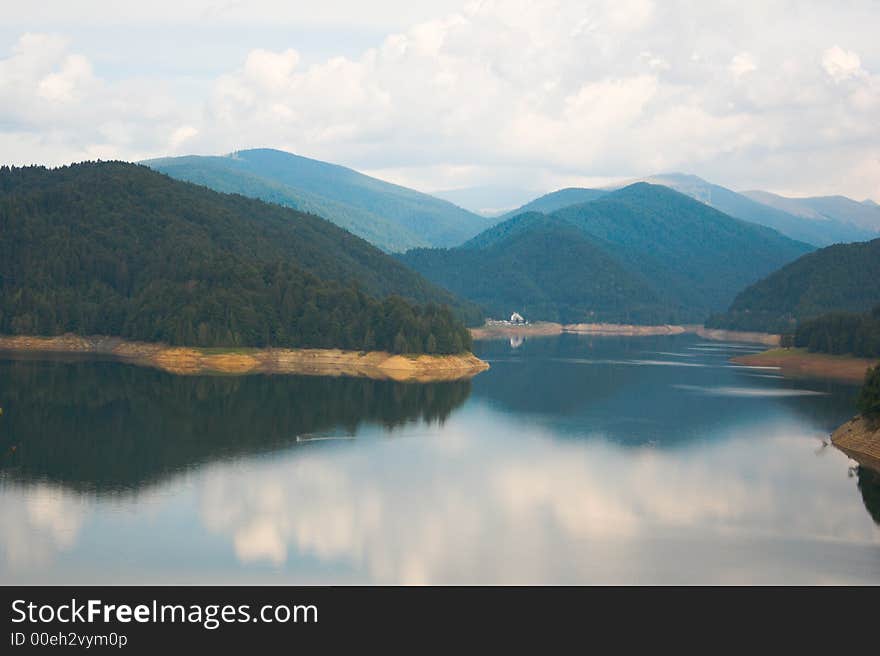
{"x": 106, "y": 426}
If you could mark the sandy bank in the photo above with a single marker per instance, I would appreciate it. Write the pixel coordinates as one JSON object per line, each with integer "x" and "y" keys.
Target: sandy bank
{"x": 859, "y": 438}
{"x": 546, "y": 328}
{"x": 501, "y": 331}
{"x": 624, "y": 329}
{"x": 311, "y": 362}
{"x": 801, "y": 363}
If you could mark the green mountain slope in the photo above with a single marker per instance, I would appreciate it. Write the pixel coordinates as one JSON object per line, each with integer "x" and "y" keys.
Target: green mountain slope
{"x": 547, "y": 269}
{"x": 117, "y": 249}
{"x": 654, "y": 254}
{"x": 841, "y": 333}
{"x": 815, "y": 230}
{"x": 391, "y": 217}
{"x": 840, "y": 278}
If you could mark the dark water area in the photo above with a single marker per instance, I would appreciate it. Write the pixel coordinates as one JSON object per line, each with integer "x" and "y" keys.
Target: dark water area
{"x": 572, "y": 460}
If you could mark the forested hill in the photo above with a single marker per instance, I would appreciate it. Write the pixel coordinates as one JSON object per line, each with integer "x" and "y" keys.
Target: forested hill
{"x": 840, "y": 278}
{"x": 118, "y": 249}
{"x": 545, "y": 269}
{"x": 642, "y": 254}
{"x": 392, "y": 217}
{"x": 556, "y": 200}
{"x": 842, "y": 333}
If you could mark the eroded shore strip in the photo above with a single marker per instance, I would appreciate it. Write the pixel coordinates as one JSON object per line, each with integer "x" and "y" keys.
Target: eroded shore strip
{"x": 311, "y": 362}
{"x": 798, "y": 362}
{"x": 542, "y": 329}
{"x": 859, "y": 438}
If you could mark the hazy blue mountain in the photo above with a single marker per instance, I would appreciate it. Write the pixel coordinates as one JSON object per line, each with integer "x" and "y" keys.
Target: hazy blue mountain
{"x": 387, "y": 215}
{"x": 816, "y": 232}
{"x": 556, "y": 200}
{"x": 870, "y": 203}
{"x": 645, "y": 254}
{"x": 864, "y": 216}
{"x": 839, "y": 278}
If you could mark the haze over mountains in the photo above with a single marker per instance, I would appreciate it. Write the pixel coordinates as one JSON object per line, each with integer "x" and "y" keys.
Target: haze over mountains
{"x": 396, "y": 219}
{"x": 816, "y": 229}
{"x": 642, "y": 254}
{"x": 819, "y": 221}
{"x": 389, "y": 216}
{"x": 865, "y": 215}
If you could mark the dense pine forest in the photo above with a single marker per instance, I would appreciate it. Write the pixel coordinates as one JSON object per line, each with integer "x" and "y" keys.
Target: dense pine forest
{"x": 869, "y": 396}
{"x": 842, "y": 333}
{"x": 117, "y": 249}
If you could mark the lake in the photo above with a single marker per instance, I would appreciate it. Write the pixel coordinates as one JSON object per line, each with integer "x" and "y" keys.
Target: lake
{"x": 574, "y": 459}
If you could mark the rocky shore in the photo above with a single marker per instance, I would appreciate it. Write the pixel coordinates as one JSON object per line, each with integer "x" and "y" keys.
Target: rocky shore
{"x": 859, "y": 438}
{"x": 312, "y": 362}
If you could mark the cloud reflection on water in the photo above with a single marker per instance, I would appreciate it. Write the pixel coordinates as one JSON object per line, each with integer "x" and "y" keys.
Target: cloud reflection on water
{"x": 541, "y": 511}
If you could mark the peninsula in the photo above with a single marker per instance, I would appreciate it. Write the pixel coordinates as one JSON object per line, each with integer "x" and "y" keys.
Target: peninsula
{"x": 378, "y": 365}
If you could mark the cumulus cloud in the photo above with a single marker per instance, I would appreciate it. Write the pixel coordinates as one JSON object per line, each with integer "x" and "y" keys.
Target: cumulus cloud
{"x": 741, "y": 64}
{"x": 516, "y": 93}
{"x": 841, "y": 64}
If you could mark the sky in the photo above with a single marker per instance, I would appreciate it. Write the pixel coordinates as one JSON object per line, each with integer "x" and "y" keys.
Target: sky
{"x": 440, "y": 95}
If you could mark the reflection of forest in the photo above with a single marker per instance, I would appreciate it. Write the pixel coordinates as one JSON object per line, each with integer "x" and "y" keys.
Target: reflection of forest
{"x": 580, "y": 385}
{"x": 869, "y": 486}
{"x": 106, "y": 426}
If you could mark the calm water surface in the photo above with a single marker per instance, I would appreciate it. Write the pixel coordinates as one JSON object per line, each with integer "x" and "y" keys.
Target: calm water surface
{"x": 573, "y": 460}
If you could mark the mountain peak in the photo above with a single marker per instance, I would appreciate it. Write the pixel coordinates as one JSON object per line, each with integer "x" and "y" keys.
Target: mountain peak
{"x": 390, "y": 216}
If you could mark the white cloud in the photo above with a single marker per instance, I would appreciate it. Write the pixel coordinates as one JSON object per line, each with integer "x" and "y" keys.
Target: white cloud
{"x": 742, "y": 64}
{"x": 513, "y": 91}
{"x": 841, "y": 64}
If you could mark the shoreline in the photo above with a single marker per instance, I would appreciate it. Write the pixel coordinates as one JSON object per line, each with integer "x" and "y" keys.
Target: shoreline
{"x": 547, "y": 328}
{"x": 796, "y": 362}
{"x": 859, "y": 438}
{"x": 182, "y": 360}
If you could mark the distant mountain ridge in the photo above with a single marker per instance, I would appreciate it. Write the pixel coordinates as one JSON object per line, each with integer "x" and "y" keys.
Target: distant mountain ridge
{"x": 818, "y": 230}
{"x": 641, "y": 254}
{"x": 390, "y": 216}
{"x": 864, "y": 215}
{"x": 838, "y": 278}
{"x": 556, "y": 200}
